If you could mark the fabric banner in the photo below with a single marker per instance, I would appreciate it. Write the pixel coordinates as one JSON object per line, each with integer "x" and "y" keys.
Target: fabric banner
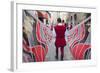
{"x": 76, "y": 34}
{"x": 44, "y": 34}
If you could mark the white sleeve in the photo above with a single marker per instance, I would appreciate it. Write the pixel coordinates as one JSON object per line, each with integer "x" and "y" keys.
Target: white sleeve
{"x": 54, "y": 33}
{"x": 66, "y": 34}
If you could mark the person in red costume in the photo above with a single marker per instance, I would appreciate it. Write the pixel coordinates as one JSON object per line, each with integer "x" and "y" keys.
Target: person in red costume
{"x": 60, "y": 41}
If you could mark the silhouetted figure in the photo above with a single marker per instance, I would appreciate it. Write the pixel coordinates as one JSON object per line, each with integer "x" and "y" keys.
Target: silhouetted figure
{"x": 60, "y": 38}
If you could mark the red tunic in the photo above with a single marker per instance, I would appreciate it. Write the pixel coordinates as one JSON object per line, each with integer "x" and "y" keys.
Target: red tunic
{"x": 60, "y": 35}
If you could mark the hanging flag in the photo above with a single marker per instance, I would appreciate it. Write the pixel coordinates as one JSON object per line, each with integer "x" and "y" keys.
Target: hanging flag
{"x": 76, "y": 35}
{"x": 44, "y": 34}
